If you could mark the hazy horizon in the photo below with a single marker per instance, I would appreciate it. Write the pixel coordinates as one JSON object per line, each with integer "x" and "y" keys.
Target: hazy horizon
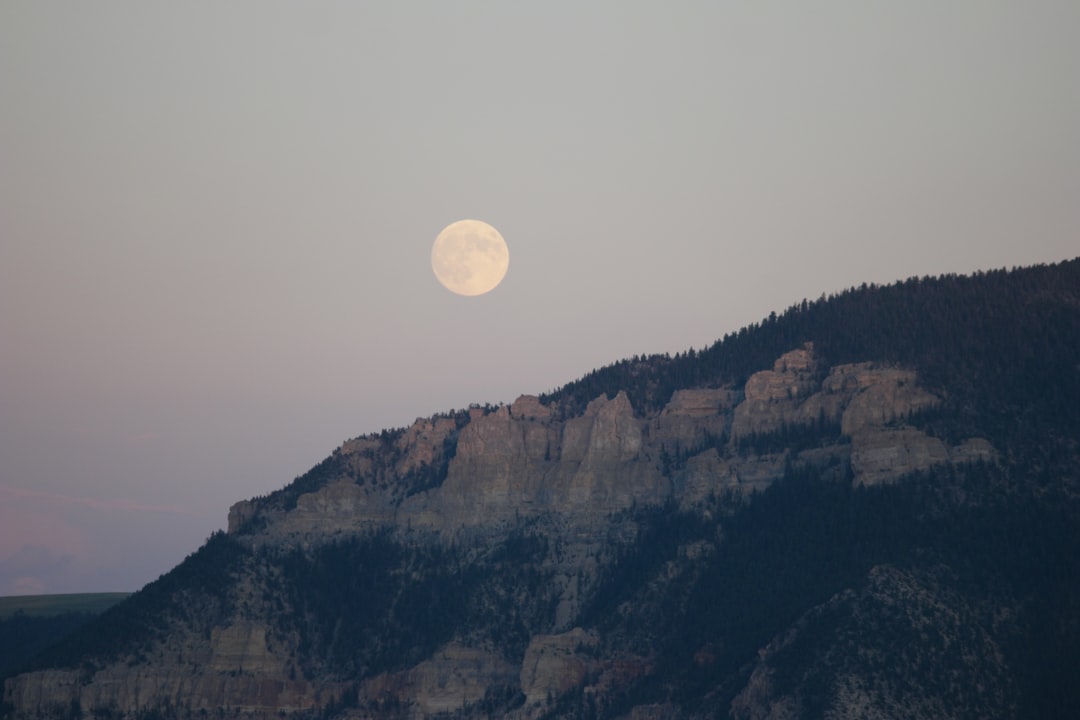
{"x": 216, "y": 221}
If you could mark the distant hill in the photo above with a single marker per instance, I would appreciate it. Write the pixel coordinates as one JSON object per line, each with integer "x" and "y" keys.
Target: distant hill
{"x": 30, "y": 623}
{"x": 49, "y": 605}
{"x": 867, "y": 505}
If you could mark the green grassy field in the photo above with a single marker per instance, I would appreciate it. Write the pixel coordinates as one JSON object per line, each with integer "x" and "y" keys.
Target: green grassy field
{"x": 47, "y": 605}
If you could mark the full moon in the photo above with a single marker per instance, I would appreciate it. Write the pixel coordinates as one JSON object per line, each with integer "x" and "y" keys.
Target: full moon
{"x": 470, "y": 257}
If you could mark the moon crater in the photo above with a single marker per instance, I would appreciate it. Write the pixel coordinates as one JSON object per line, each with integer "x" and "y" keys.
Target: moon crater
{"x": 470, "y": 257}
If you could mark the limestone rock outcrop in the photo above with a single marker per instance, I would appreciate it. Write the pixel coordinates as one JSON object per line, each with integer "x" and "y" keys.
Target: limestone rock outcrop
{"x": 453, "y": 678}
{"x": 555, "y": 664}
{"x": 234, "y": 669}
{"x": 693, "y": 417}
{"x": 518, "y": 461}
{"x": 888, "y": 453}
{"x": 773, "y": 397}
{"x": 879, "y": 395}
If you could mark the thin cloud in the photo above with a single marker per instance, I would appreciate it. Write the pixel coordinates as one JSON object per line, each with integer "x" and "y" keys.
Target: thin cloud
{"x": 33, "y": 569}
{"x": 103, "y": 504}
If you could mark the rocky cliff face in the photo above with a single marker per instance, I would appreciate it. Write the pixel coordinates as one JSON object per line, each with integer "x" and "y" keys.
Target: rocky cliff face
{"x": 233, "y": 669}
{"x": 518, "y": 461}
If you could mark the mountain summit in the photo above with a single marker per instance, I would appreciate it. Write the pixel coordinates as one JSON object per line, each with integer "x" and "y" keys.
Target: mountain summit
{"x": 866, "y": 506}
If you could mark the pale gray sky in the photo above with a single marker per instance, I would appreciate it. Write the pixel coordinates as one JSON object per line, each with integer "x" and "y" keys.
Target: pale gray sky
{"x": 216, "y": 218}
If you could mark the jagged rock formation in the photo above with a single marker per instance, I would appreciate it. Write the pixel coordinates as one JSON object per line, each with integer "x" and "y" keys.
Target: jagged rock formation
{"x": 517, "y": 461}
{"x": 760, "y": 548}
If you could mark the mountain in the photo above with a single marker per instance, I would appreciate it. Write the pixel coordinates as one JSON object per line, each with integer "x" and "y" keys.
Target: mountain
{"x": 866, "y": 506}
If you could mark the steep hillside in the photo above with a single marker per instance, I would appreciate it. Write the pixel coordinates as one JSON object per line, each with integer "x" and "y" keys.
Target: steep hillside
{"x": 866, "y": 506}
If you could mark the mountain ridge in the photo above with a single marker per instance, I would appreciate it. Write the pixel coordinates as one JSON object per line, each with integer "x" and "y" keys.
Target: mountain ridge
{"x": 708, "y": 534}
